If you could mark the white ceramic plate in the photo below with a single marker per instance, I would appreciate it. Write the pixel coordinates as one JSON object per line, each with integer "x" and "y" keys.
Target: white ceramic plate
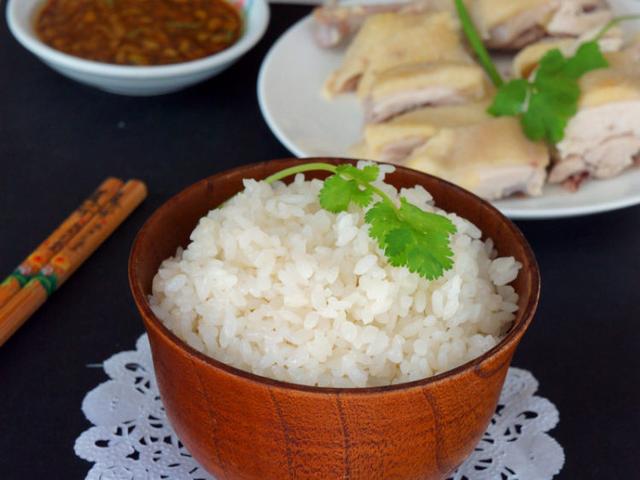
{"x": 289, "y": 91}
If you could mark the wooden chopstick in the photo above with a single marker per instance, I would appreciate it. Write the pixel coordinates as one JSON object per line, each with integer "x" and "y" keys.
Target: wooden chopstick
{"x": 58, "y": 239}
{"x": 67, "y": 261}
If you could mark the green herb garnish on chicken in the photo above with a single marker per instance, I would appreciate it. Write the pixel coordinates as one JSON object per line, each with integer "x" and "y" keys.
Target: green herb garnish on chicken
{"x": 547, "y": 100}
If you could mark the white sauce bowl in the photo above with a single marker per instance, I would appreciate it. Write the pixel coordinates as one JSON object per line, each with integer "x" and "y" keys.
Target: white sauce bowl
{"x": 135, "y": 80}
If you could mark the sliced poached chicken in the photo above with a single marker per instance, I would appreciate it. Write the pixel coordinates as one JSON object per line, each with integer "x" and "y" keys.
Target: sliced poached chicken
{"x": 504, "y": 24}
{"x": 408, "y": 87}
{"x": 394, "y": 140}
{"x": 399, "y": 62}
{"x": 492, "y": 158}
{"x": 603, "y": 138}
{"x": 527, "y": 60}
{"x": 575, "y": 17}
{"x": 509, "y": 24}
{"x": 389, "y": 40}
{"x": 334, "y": 23}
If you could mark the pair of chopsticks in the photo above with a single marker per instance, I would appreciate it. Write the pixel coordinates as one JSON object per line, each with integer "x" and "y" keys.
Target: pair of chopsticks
{"x": 53, "y": 261}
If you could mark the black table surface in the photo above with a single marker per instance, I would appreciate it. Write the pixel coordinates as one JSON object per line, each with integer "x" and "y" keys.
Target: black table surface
{"x": 59, "y": 139}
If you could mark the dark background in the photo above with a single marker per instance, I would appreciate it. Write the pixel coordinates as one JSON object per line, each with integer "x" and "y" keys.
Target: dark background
{"x": 59, "y": 140}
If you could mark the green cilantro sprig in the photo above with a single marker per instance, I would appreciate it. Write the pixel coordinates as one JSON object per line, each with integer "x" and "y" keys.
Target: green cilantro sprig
{"x": 545, "y": 102}
{"x": 476, "y": 43}
{"x": 409, "y": 236}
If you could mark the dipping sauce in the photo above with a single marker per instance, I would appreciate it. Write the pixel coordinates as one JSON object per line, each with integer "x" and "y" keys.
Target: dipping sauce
{"x": 139, "y": 32}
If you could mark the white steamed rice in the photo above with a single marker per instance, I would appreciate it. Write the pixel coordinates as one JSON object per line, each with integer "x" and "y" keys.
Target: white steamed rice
{"x": 273, "y": 284}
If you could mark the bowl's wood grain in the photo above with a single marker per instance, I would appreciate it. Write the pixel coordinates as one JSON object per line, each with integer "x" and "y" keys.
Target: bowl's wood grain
{"x": 241, "y": 426}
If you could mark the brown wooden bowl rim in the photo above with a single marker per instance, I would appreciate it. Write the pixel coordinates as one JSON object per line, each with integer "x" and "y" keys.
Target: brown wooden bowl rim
{"x": 522, "y": 321}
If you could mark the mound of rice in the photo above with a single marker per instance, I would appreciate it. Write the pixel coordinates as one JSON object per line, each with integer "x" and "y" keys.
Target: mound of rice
{"x": 273, "y": 284}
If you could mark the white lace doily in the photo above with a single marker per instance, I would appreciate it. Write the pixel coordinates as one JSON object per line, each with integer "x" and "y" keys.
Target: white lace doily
{"x": 132, "y": 440}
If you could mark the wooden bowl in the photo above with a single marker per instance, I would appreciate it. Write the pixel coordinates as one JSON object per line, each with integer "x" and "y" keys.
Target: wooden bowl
{"x": 243, "y": 426}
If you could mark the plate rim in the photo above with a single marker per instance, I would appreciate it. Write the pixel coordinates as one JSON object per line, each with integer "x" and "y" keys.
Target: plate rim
{"x": 261, "y": 92}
